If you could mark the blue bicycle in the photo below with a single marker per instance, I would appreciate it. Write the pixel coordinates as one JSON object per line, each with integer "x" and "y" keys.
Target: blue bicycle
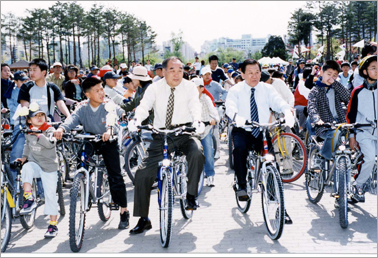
{"x": 172, "y": 182}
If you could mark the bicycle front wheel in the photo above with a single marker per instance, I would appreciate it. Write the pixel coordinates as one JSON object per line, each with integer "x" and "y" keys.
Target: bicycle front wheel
{"x": 183, "y": 188}
{"x": 103, "y": 190}
{"x": 291, "y": 156}
{"x": 6, "y": 224}
{"x": 166, "y": 210}
{"x": 77, "y": 213}
{"x": 230, "y": 150}
{"x": 59, "y": 190}
{"x": 201, "y": 182}
{"x": 27, "y": 220}
{"x": 63, "y": 168}
{"x": 272, "y": 198}
{"x": 343, "y": 200}
{"x": 134, "y": 156}
{"x": 314, "y": 177}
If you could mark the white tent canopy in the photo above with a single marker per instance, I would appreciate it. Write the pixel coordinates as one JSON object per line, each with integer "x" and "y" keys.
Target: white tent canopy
{"x": 265, "y": 60}
{"x": 277, "y": 60}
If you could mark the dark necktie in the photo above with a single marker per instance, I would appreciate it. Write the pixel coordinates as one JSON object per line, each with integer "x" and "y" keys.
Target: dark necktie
{"x": 254, "y": 113}
{"x": 170, "y": 107}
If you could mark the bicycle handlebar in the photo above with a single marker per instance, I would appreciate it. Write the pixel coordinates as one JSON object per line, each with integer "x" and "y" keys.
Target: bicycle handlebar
{"x": 166, "y": 131}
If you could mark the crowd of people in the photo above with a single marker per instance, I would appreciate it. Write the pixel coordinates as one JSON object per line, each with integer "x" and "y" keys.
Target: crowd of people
{"x": 173, "y": 94}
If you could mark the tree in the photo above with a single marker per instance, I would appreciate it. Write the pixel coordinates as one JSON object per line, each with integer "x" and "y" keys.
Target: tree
{"x": 177, "y": 43}
{"x": 275, "y": 47}
{"x": 9, "y": 22}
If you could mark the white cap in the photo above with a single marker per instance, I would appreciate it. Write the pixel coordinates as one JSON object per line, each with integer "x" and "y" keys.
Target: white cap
{"x": 205, "y": 70}
{"x": 57, "y": 63}
{"x": 198, "y": 81}
{"x": 123, "y": 65}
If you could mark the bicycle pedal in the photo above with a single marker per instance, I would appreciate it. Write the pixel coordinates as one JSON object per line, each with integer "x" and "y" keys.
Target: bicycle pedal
{"x": 335, "y": 195}
{"x": 113, "y": 206}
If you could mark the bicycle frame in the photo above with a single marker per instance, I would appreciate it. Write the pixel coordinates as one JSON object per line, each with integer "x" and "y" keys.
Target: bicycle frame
{"x": 165, "y": 166}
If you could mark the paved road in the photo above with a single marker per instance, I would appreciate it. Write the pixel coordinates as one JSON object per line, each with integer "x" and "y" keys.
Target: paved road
{"x": 218, "y": 227}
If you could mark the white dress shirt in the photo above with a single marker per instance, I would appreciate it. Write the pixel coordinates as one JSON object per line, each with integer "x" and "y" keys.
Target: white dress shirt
{"x": 187, "y": 107}
{"x": 284, "y": 91}
{"x": 114, "y": 94}
{"x": 239, "y": 98}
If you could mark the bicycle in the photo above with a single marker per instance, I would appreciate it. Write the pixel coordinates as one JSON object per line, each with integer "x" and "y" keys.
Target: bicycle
{"x": 90, "y": 186}
{"x": 172, "y": 182}
{"x": 340, "y": 171}
{"x": 263, "y": 176}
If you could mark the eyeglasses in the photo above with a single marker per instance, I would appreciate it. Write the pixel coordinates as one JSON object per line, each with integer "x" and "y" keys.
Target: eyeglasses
{"x": 372, "y": 69}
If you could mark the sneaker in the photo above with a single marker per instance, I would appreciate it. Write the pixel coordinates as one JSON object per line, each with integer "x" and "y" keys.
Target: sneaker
{"x": 51, "y": 232}
{"x": 317, "y": 164}
{"x": 242, "y": 194}
{"x": 29, "y": 206}
{"x": 124, "y": 221}
{"x": 288, "y": 220}
{"x": 210, "y": 181}
{"x": 217, "y": 155}
{"x": 358, "y": 194}
{"x": 287, "y": 171}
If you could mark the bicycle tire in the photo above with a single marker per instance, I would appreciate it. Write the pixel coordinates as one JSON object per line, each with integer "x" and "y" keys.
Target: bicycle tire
{"x": 77, "y": 194}
{"x": 343, "y": 191}
{"x": 201, "y": 182}
{"x": 243, "y": 206}
{"x": 130, "y": 153}
{"x": 183, "y": 188}
{"x": 230, "y": 150}
{"x": 373, "y": 181}
{"x": 103, "y": 208}
{"x": 298, "y": 156}
{"x": 273, "y": 175}
{"x": 63, "y": 167}
{"x": 166, "y": 210}
{"x": 314, "y": 180}
{"x": 59, "y": 190}
{"x": 27, "y": 221}
{"x": 6, "y": 223}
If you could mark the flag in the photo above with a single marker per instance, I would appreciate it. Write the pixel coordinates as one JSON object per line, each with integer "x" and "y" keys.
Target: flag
{"x": 295, "y": 52}
{"x": 342, "y": 46}
{"x": 341, "y": 54}
{"x": 304, "y": 49}
{"x": 320, "y": 50}
{"x": 359, "y": 44}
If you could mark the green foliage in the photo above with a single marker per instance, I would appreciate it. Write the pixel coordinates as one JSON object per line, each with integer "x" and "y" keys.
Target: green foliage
{"x": 226, "y": 55}
{"x": 275, "y": 47}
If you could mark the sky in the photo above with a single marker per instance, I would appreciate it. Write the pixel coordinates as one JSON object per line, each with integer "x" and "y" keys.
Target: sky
{"x": 198, "y": 20}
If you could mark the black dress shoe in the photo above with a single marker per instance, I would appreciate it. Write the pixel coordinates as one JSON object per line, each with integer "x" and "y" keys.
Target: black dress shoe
{"x": 124, "y": 222}
{"x": 288, "y": 220}
{"x": 191, "y": 203}
{"x": 141, "y": 226}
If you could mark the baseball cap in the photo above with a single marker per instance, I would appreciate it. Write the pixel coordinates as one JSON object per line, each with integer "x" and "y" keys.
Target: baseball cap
{"x": 111, "y": 75}
{"x": 20, "y": 76}
{"x": 234, "y": 74}
{"x": 57, "y": 64}
{"x": 94, "y": 68}
{"x": 225, "y": 66}
{"x": 198, "y": 81}
{"x": 264, "y": 76}
{"x": 230, "y": 71}
{"x": 158, "y": 66}
{"x": 345, "y": 64}
{"x": 205, "y": 70}
{"x": 34, "y": 113}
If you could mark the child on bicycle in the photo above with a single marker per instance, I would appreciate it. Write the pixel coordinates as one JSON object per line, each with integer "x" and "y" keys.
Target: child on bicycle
{"x": 362, "y": 109}
{"x": 325, "y": 106}
{"x": 92, "y": 115}
{"x": 42, "y": 163}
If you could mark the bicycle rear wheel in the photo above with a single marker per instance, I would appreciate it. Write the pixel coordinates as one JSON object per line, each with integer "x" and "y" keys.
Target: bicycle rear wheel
{"x": 243, "y": 206}
{"x": 183, "y": 188}
{"x": 6, "y": 224}
{"x": 166, "y": 210}
{"x": 77, "y": 213}
{"x": 63, "y": 167}
{"x": 134, "y": 156}
{"x": 103, "y": 189}
{"x": 314, "y": 179}
{"x": 291, "y": 156}
{"x": 343, "y": 191}
{"x": 201, "y": 182}
{"x": 272, "y": 198}
{"x": 230, "y": 150}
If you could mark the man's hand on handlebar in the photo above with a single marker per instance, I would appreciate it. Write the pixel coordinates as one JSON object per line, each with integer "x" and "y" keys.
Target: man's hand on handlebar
{"x": 58, "y": 134}
{"x": 22, "y": 160}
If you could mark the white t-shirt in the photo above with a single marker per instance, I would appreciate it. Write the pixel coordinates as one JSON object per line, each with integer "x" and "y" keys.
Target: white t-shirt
{"x": 148, "y": 67}
{"x": 197, "y": 65}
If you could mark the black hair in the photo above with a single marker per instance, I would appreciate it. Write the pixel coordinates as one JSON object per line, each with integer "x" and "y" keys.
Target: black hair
{"x": 125, "y": 72}
{"x": 145, "y": 83}
{"x": 193, "y": 76}
{"x": 354, "y": 63}
{"x": 271, "y": 70}
{"x": 368, "y": 49}
{"x": 249, "y": 62}
{"x": 202, "y": 62}
{"x": 277, "y": 74}
{"x": 213, "y": 57}
{"x": 41, "y": 63}
{"x": 306, "y": 72}
{"x": 172, "y": 58}
{"x": 127, "y": 80}
{"x": 89, "y": 83}
{"x": 3, "y": 65}
{"x": 331, "y": 64}
{"x": 68, "y": 68}
{"x": 345, "y": 64}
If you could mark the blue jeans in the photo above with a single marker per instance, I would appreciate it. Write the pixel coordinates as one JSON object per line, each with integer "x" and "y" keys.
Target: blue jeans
{"x": 308, "y": 126}
{"x": 208, "y": 151}
{"x": 17, "y": 150}
{"x": 327, "y": 148}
